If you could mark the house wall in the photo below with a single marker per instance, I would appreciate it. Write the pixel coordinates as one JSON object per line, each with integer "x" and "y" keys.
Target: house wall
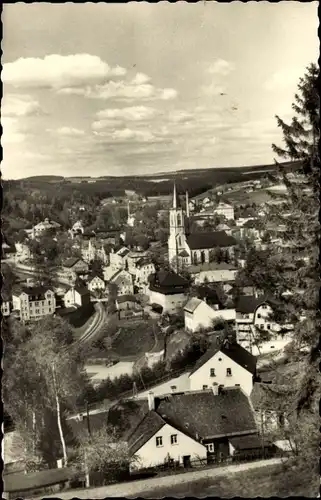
{"x": 215, "y": 276}
{"x": 35, "y": 309}
{"x": 170, "y": 303}
{"x": 150, "y": 455}
{"x": 96, "y": 284}
{"x": 204, "y": 315}
{"x": 239, "y": 375}
{"x": 124, "y": 283}
{"x": 5, "y": 308}
{"x": 261, "y": 319}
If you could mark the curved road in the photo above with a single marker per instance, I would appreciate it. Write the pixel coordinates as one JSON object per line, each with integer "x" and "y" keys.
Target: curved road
{"x": 99, "y": 320}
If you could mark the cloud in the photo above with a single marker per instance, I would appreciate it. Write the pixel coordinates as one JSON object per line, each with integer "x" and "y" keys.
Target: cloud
{"x": 133, "y": 113}
{"x": 18, "y": 105}
{"x": 70, "y": 131}
{"x": 57, "y": 71}
{"x": 221, "y": 67}
{"x": 213, "y": 89}
{"x": 122, "y": 90}
{"x": 140, "y": 78}
{"x": 285, "y": 78}
{"x": 11, "y": 134}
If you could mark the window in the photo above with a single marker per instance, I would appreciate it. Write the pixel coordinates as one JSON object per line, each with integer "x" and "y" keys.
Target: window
{"x": 220, "y": 359}
{"x": 36, "y": 304}
{"x": 264, "y": 307}
{"x": 173, "y": 387}
{"x": 205, "y": 387}
{"x": 268, "y": 327}
{"x": 210, "y": 447}
{"x": 174, "y": 439}
{"x": 237, "y": 385}
{"x": 159, "y": 441}
{"x": 37, "y": 311}
{"x": 229, "y": 372}
{"x": 212, "y": 372}
{"x": 259, "y": 315}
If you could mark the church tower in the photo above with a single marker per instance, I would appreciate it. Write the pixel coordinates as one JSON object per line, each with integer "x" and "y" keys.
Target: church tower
{"x": 177, "y": 246}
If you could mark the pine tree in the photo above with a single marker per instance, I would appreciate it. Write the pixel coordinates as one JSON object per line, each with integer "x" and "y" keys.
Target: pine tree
{"x": 285, "y": 270}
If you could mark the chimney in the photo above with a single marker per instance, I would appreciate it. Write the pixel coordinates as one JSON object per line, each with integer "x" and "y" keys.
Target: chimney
{"x": 215, "y": 389}
{"x": 151, "y": 401}
{"x": 187, "y": 206}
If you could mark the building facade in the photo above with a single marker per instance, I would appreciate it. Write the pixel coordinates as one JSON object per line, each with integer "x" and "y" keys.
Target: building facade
{"x": 33, "y": 303}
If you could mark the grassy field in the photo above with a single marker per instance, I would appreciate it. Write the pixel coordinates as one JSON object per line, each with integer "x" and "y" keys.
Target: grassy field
{"x": 135, "y": 339}
{"x": 267, "y": 482}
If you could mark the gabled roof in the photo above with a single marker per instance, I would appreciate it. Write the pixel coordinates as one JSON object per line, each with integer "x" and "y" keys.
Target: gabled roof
{"x": 248, "y": 303}
{"x": 198, "y": 241}
{"x": 123, "y": 251}
{"x": 32, "y": 291}
{"x": 143, "y": 261}
{"x": 126, "y": 298}
{"x": 231, "y": 349}
{"x": 119, "y": 276}
{"x": 201, "y": 415}
{"x": 151, "y": 423}
{"x": 168, "y": 282}
{"x": 251, "y": 442}
{"x": 72, "y": 261}
{"x": 192, "y": 304}
{"x": 82, "y": 290}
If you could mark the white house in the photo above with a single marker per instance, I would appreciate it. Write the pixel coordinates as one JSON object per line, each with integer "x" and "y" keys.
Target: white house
{"x": 5, "y": 307}
{"x": 96, "y": 283}
{"x": 33, "y": 302}
{"x": 225, "y": 209}
{"x": 43, "y": 226}
{"x": 213, "y": 272}
{"x": 144, "y": 269}
{"x": 187, "y": 426}
{"x": 169, "y": 290}
{"x": 76, "y": 296}
{"x": 124, "y": 281}
{"x": 117, "y": 260}
{"x": 198, "y": 314}
{"x": 229, "y": 366}
{"x": 252, "y": 313}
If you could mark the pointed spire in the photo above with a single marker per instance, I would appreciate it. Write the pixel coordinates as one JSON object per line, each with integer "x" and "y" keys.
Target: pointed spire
{"x": 187, "y": 205}
{"x": 174, "y": 196}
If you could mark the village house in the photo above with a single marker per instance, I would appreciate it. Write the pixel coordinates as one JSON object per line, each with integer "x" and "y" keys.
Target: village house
{"x": 180, "y": 428}
{"x": 225, "y": 209}
{"x": 144, "y": 269}
{"x": 74, "y": 267}
{"x": 33, "y": 302}
{"x": 118, "y": 259}
{"x": 254, "y": 312}
{"x": 198, "y": 314}
{"x": 42, "y": 227}
{"x": 127, "y": 306}
{"x": 76, "y": 296}
{"x": 124, "y": 282}
{"x": 77, "y": 228}
{"x": 5, "y": 304}
{"x": 169, "y": 290}
{"x": 228, "y": 365}
{"x": 213, "y": 272}
{"x": 95, "y": 283}
{"x": 133, "y": 257}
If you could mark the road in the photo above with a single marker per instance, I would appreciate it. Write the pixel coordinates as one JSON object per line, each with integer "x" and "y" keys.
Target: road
{"x": 141, "y": 487}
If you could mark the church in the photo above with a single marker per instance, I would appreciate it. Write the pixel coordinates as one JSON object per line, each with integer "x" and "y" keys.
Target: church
{"x": 185, "y": 248}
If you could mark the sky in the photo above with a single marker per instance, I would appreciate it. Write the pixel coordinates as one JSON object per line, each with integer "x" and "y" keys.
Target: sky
{"x": 129, "y": 89}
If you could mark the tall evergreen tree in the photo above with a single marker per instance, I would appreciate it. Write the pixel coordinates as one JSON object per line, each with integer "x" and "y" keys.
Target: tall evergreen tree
{"x": 285, "y": 269}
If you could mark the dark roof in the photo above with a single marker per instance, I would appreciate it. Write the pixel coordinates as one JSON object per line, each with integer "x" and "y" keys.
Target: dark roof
{"x": 32, "y": 291}
{"x": 207, "y": 416}
{"x": 144, "y": 261}
{"x": 253, "y": 224}
{"x": 231, "y": 349}
{"x": 146, "y": 429}
{"x": 71, "y": 262}
{"x": 210, "y": 240}
{"x": 19, "y": 482}
{"x": 126, "y": 298}
{"x": 250, "y": 442}
{"x": 168, "y": 282}
{"x": 271, "y": 397}
{"x": 82, "y": 290}
{"x": 248, "y": 303}
{"x": 184, "y": 253}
